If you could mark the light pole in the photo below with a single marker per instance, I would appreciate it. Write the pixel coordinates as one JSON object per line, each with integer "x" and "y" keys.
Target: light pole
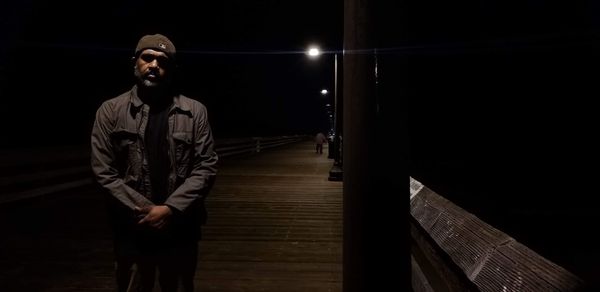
{"x": 330, "y": 127}
{"x": 329, "y": 112}
{"x": 336, "y": 172}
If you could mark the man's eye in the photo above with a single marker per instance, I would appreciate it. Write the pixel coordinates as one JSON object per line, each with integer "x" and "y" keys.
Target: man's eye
{"x": 147, "y": 58}
{"x": 162, "y": 60}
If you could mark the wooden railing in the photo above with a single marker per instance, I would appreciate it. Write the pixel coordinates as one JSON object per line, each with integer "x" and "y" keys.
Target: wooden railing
{"x": 453, "y": 250}
{"x": 33, "y": 173}
{"x": 237, "y": 146}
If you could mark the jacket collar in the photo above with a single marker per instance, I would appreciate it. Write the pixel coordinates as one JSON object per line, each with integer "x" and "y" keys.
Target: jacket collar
{"x": 178, "y": 102}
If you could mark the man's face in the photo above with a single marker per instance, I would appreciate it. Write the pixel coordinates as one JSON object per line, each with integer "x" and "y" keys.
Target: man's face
{"x": 153, "y": 68}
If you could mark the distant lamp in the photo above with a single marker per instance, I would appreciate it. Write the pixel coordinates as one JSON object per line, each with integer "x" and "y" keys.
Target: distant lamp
{"x": 324, "y": 92}
{"x": 313, "y": 52}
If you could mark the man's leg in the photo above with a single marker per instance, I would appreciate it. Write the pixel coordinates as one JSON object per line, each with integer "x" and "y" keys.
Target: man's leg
{"x": 178, "y": 267}
{"x": 135, "y": 276}
{"x": 124, "y": 273}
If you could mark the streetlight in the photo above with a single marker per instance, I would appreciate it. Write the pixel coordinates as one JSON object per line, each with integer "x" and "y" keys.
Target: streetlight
{"x": 336, "y": 172}
{"x": 313, "y": 52}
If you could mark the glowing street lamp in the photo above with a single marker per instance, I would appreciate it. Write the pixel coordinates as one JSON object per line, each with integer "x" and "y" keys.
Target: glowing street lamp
{"x": 313, "y": 52}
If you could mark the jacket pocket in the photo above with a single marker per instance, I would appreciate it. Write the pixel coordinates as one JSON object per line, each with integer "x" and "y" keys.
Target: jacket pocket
{"x": 183, "y": 151}
{"x": 128, "y": 155}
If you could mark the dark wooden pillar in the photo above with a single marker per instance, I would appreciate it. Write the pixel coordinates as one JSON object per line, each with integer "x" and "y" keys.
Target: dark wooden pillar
{"x": 376, "y": 181}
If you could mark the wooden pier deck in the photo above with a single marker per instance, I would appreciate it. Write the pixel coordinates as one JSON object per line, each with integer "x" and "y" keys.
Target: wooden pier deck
{"x": 275, "y": 224}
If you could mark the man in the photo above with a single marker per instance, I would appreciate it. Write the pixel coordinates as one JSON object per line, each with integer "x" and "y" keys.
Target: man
{"x": 319, "y": 140}
{"x": 152, "y": 152}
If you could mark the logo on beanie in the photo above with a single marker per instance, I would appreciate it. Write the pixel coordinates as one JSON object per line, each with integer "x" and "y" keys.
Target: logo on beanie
{"x": 162, "y": 46}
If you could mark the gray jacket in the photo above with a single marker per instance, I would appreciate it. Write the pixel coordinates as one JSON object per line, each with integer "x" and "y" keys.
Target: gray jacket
{"x": 119, "y": 161}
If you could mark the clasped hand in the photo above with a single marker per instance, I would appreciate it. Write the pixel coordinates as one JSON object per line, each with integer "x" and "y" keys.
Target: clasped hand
{"x": 155, "y": 216}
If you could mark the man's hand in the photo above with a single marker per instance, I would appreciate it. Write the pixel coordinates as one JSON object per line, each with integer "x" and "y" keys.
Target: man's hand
{"x": 155, "y": 216}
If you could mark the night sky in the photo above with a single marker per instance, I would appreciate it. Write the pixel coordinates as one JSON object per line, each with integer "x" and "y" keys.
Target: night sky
{"x": 243, "y": 59}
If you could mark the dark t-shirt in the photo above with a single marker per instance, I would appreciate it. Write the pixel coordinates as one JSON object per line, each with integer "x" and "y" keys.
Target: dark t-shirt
{"x": 157, "y": 147}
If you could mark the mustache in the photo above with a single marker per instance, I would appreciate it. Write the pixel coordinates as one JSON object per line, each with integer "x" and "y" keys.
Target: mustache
{"x": 148, "y": 71}
{"x": 152, "y": 71}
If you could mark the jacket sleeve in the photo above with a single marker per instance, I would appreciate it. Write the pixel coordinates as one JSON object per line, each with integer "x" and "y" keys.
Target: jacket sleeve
{"x": 103, "y": 161}
{"x": 203, "y": 166}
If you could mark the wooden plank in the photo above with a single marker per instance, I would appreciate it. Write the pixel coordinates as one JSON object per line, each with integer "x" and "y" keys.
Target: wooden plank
{"x": 419, "y": 281}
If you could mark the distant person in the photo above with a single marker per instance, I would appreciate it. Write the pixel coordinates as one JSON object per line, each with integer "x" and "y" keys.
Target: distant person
{"x": 152, "y": 151}
{"x": 319, "y": 140}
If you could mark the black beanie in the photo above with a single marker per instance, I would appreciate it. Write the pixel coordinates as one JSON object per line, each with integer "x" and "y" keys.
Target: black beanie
{"x": 156, "y": 42}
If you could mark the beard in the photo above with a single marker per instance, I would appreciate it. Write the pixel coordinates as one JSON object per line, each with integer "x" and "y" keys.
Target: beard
{"x": 149, "y": 84}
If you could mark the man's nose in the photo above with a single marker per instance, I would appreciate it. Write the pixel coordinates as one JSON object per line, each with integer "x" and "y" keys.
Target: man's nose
{"x": 154, "y": 63}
